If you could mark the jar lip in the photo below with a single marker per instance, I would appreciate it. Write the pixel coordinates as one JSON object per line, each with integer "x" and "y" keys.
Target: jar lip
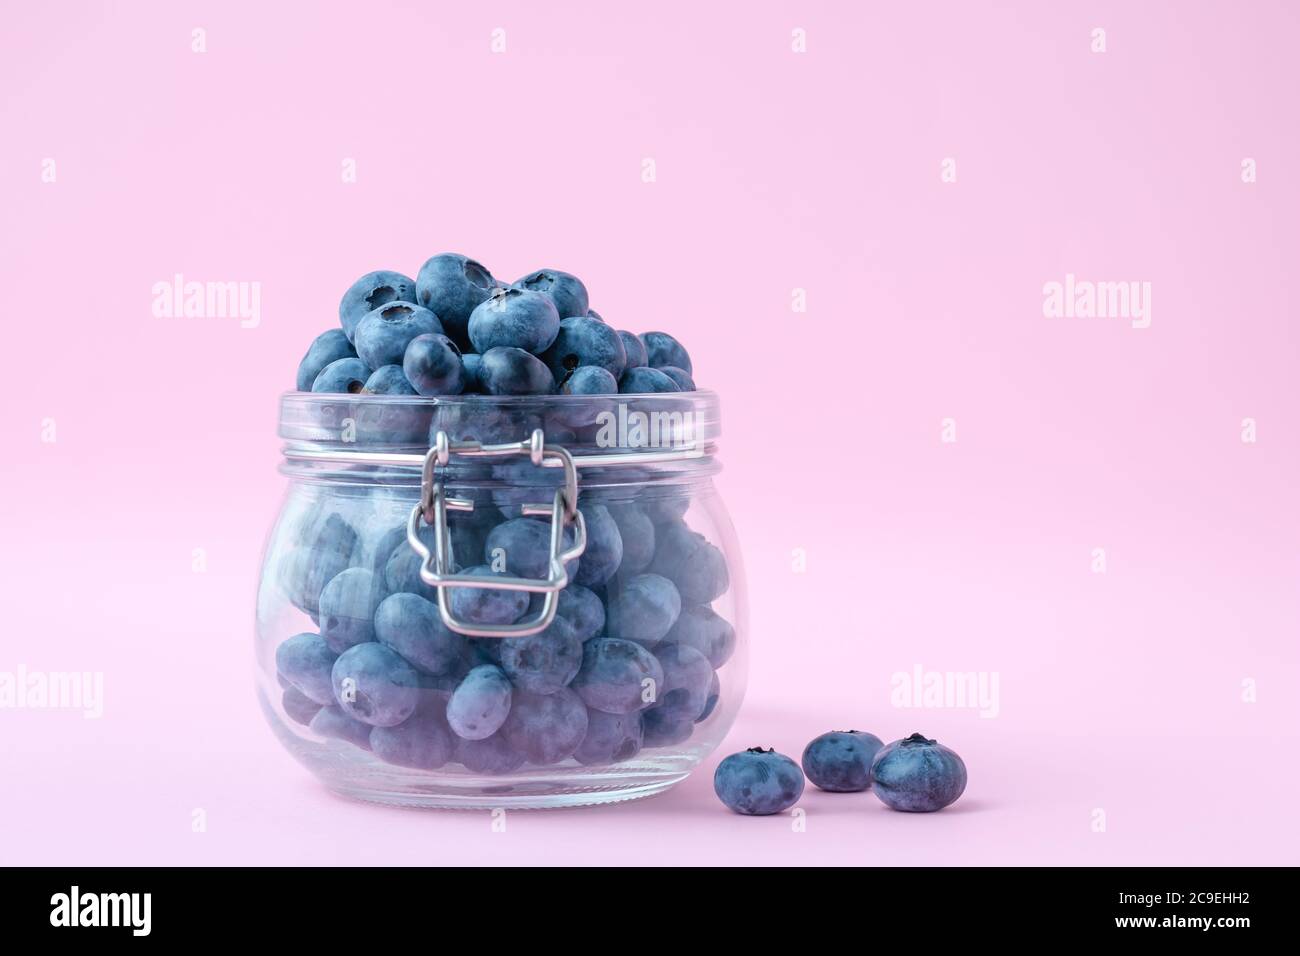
{"x": 699, "y": 397}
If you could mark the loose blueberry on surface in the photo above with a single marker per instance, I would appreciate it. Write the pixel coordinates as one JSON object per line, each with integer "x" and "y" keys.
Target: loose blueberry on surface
{"x": 347, "y": 608}
{"x": 634, "y": 349}
{"x": 422, "y": 741}
{"x": 702, "y": 628}
{"x": 411, "y": 625}
{"x": 298, "y": 706}
{"x": 682, "y": 378}
{"x": 637, "y": 532}
{"x": 611, "y": 738}
{"x": 643, "y": 381}
{"x": 372, "y": 290}
{"x": 545, "y": 662}
{"x": 326, "y": 348}
{"x": 566, "y": 291}
{"x": 492, "y": 755}
{"x": 645, "y": 609}
{"x": 483, "y": 606}
{"x": 582, "y": 340}
{"x": 663, "y": 729}
{"x": 614, "y": 674}
{"x": 388, "y": 380}
{"x": 512, "y": 371}
{"x": 690, "y": 561}
{"x": 333, "y": 723}
{"x": 604, "y": 551}
{"x": 432, "y": 363}
{"x": 514, "y": 318}
{"x": 346, "y": 376}
{"x": 589, "y": 380}
{"x": 840, "y": 761}
{"x": 758, "y": 782}
{"x": 374, "y": 685}
{"x": 451, "y": 286}
{"x": 662, "y": 349}
{"x": 917, "y": 775}
{"x": 479, "y": 706}
{"x": 383, "y": 335}
{"x": 546, "y": 728}
{"x": 306, "y": 662}
{"x": 684, "y": 690}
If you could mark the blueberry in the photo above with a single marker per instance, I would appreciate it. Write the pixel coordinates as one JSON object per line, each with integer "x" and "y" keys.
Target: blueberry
{"x": 522, "y": 547}
{"x": 660, "y": 728}
{"x": 663, "y": 508}
{"x": 546, "y": 728}
{"x": 450, "y": 286}
{"x": 701, "y": 628}
{"x": 604, "y": 551}
{"x": 583, "y": 340}
{"x": 388, "y": 380}
{"x": 472, "y": 364}
{"x": 483, "y": 606}
{"x": 345, "y": 376}
{"x": 326, "y": 348}
{"x": 511, "y": 371}
{"x": 491, "y": 755}
{"x": 433, "y": 365}
{"x": 634, "y": 349}
{"x": 306, "y": 661}
{"x": 645, "y": 609}
{"x": 370, "y": 292}
{"x": 840, "y": 761}
{"x": 411, "y": 625}
{"x": 690, "y": 561}
{"x": 593, "y": 314}
{"x": 917, "y": 775}
{"x": 332, "y": 722}
{"x": 641, "y": 381}
{"x": 583, "y": 610}
{"x": 422, "y": 741}
{"x": 758, "y": 782}
{"x": 715, "y": 693}
{"x": 326, "y": 544}
{"x": 402, "y": 572}
{"x": 478, "y": 707}
{"x": 682, "y": 378}
{"x": 298, "y": 706}
{"x": 662, "y": 349}
{"x": 545, "y": 662}
{"x": 374, "y": 685}
{"x": 347, "y": 608}
{"x": 687, "y": 675}
{"x": 610, "y": 738}
{"x": 637, "y": 532}
{"x": 514, "y": 318}
{"x": 566, "y": 291}
{"x": 614, "y": 676}
{"x": 590, "y": 380}
{"x": 383, "y": 335}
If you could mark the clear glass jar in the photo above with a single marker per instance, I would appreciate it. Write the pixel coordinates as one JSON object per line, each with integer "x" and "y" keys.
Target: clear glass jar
{"x": 611, "y": 676}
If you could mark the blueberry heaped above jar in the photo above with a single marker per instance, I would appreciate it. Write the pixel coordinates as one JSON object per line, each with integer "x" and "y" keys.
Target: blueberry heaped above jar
{"x": 456, "y": 329}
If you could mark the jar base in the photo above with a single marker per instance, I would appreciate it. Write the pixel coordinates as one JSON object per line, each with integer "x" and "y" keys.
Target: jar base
{"x": 440, "y": 797}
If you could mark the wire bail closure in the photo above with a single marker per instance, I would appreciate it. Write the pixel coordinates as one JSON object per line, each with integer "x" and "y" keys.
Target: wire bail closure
{"x": 436, "y": 565}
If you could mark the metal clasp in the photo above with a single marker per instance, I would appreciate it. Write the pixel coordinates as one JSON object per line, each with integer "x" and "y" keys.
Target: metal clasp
{"x": 436, "y": 565}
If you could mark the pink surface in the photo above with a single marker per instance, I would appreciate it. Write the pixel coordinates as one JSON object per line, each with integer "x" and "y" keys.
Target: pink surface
{"x": 1120, "y": 691}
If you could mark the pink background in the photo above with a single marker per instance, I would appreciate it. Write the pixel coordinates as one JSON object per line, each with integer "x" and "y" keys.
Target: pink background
{"x": 1120, "y": 691}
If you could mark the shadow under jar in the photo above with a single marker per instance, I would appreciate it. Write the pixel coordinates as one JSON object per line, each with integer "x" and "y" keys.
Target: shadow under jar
{"x": 486, "y": 602}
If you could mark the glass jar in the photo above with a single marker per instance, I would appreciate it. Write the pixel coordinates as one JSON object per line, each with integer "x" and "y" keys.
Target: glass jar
{"x": 501, "y": 601}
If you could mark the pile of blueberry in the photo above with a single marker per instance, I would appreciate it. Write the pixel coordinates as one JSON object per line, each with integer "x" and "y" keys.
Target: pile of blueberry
{"x": 630, "y": 660}
{"x": 457, "y": 330}
{"x": 913, "y": 774}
